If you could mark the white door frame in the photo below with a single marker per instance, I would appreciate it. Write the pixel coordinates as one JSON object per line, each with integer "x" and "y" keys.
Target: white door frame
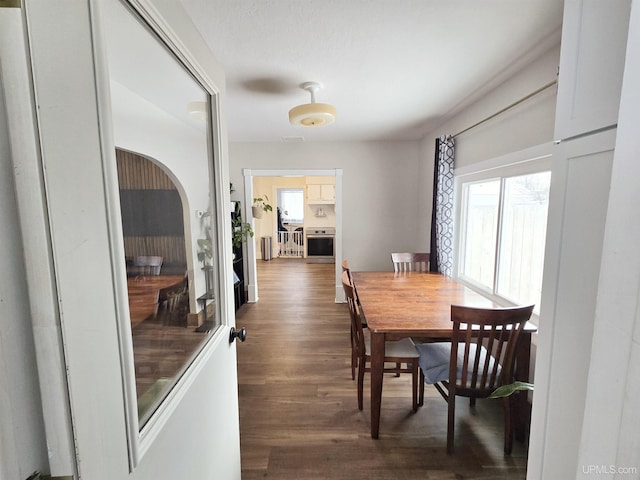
{"x": 248, "y": 174}
{"x": 41, "y": 307}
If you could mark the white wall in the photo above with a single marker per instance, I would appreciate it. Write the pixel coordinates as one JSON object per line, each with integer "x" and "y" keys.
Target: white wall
{"x": 528, "y": 124}
{"x": 381, "y": 207}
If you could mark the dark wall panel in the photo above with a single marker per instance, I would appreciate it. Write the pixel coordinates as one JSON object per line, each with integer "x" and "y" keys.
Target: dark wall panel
{"x": 151, "y": 213}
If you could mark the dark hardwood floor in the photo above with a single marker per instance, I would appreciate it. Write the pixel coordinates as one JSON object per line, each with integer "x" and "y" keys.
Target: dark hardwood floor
{"x": 299, "y": 417}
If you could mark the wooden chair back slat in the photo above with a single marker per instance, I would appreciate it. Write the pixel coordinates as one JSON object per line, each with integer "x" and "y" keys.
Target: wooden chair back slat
{"x": 492, "y": 336}
{"x": 410, "y": 262}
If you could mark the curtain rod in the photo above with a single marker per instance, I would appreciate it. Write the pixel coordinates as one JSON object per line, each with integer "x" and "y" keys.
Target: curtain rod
{"x": 517, "y": 102}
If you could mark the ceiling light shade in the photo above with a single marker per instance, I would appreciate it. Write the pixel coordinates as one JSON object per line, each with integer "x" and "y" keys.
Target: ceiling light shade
{"x": 312, "y": 114}
{"x": 197, "y": 110}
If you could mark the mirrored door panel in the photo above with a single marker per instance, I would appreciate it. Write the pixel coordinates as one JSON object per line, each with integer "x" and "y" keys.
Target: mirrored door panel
{"x": 161, "y": 132}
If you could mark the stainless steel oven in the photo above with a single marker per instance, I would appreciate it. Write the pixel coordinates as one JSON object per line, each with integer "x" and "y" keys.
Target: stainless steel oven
{"x": 321, "y": 245}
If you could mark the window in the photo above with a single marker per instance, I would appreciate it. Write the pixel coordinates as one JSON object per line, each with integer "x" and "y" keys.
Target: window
{"x": 291, "y": 202}
{"x": 503, "y": 224}
{"x": 522, "y": 239}
{"x": 481, "y": 214}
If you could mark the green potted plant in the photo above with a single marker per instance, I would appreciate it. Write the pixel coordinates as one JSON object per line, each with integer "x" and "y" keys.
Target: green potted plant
{"x": 206, "y": 250}
{"x": 240, "y": 231}
{"x": 260, "y": 205}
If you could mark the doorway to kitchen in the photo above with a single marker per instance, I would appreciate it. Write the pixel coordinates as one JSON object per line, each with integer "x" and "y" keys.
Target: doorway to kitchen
{"x": 254, "y": 177}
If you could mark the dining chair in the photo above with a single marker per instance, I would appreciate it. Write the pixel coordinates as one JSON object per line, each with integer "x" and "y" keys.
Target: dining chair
{"x": 410, "y": 262}
{"x": 147, "y": 264}
{"x": 175, "y": 299}
{"x": 345, "y": 268}
{"x": 397, "y": 352}
{"x": 354, "y": 347}
{"x": 479, "y": 358}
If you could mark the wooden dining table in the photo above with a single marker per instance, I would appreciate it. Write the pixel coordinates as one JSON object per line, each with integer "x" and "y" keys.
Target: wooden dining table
{"x": 144, "y": 294}
{"x": 418, "y": 305}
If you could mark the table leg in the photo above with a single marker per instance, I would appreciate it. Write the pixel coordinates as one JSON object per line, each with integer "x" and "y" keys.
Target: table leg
{"x": 377, "y": 369}
{"x": 523, "y": 412}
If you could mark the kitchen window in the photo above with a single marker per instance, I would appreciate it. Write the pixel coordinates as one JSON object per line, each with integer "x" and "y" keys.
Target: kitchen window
{"x": 291, "y": 202}
{"x": 502, "y": 231}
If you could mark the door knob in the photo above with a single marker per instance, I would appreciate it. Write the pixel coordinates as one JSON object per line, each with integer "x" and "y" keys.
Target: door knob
{"x": 239, "y": 334}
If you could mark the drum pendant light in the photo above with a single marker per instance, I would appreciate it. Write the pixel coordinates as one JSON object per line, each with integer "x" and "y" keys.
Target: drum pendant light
{"x": 312, "y": 114}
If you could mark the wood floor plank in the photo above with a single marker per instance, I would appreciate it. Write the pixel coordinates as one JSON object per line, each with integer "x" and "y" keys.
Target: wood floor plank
{"x": 299, "y": 417}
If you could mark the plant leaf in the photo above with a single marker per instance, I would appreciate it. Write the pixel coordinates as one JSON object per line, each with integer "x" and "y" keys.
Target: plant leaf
{"x": 510, "y": 389}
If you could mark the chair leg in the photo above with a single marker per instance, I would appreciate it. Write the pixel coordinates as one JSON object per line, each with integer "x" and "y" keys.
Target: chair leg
{"x": 421, "y": 397}
{"x": 414, "y": 385}
{"x": 354, "y": 364}
{"x": 398, "y": 366}
{"x": 361, "y": 366}
{"x": 354, "y": 358}
{"x": 451, "y": 422}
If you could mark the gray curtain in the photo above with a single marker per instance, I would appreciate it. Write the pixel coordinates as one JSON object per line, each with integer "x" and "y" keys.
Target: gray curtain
{"x": 441, "y": 253}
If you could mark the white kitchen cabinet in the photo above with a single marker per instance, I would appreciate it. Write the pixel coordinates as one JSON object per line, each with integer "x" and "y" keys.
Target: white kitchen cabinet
{"x": 321, "y": 194}
{"x": 594, "y": 39}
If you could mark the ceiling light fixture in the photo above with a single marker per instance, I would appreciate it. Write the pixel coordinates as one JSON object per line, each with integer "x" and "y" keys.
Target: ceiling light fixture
{"x": 312, "y": 114}
{"x": 197, "y": 110}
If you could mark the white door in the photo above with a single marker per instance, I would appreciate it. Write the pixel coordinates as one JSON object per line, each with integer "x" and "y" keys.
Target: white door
{"x": 88, "y": 103}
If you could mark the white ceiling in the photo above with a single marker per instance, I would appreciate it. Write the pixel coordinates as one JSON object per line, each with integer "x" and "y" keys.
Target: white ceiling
{"x": 393, "y": 69}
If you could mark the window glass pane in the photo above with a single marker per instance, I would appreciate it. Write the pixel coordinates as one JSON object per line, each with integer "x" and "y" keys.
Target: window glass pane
{"x": 161, "y": 131}
{"x": 291, "y": 202}
{"x": 481, "y": 223}
{"x": 524, "y": 227}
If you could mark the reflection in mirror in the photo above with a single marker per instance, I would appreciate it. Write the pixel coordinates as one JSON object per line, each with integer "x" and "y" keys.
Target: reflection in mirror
{"x": 160, "y": 131}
